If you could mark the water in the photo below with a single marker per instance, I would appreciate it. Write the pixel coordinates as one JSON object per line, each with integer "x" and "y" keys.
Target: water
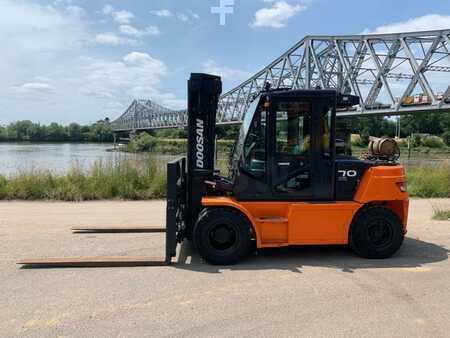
{"x": 57, "y": 157}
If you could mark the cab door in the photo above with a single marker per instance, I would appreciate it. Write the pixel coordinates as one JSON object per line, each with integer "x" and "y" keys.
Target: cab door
{"x": 302, "y": 154}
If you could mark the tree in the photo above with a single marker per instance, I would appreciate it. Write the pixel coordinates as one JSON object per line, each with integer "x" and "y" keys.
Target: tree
{"x": 3, "y": 134}
{"x": 56, "y": 133}
{"x": 75, "y": 132}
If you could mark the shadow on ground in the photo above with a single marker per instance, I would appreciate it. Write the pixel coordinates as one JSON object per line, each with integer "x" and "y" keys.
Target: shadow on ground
{"x": 414, "y": 253}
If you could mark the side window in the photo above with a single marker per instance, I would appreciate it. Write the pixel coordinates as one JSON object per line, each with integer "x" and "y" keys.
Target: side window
{"x": 326, "y": 130}
{"x": 254, "y": 152}
{"x": 293, "y": 146}
{"x": 293, "y": 129}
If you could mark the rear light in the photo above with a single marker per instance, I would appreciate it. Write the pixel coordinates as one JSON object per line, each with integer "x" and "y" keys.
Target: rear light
{"x": 402, "y": 186}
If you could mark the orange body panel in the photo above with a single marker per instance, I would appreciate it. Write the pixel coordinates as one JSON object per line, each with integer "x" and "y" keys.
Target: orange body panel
{"x": 289, "y": 223}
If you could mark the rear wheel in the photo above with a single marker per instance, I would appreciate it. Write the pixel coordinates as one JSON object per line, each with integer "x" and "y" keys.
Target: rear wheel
{"x": 376, "y": 232}
{"x": 222, "y": 236}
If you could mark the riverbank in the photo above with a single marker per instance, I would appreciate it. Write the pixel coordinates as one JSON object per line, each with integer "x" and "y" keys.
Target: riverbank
{"x": 146, "y": 179}
{"x": 146, "y": 143}
{"x": 121, "y": 179}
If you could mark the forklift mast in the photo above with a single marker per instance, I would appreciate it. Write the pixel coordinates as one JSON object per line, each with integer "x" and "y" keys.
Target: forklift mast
{"x": 203, "y": 96}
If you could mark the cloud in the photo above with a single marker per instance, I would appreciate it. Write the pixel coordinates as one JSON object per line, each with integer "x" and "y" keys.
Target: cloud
{"x": 122, "y": 17}
{"x": 41, "y": 48}
{"x": 30, "y": 27}
{"x": 211, "y": 67}
{"x": 136, "y": 75}
{"x": 163, "y": 13}
{"x": 194, "y": 15}
{"x": 34, "y": 88}
{"x": 421, "y": 23}
{"x": 112, "y": 39}
{"x": 132, "y": 31}
{"x": 107, "y": 9}
{"x": 183, "y": 17}
{"x": 277, "y": 15}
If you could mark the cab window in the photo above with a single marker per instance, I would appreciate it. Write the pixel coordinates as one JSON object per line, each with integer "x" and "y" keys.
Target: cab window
{"x": 254, "y": 152}
{"x": 293, "y": 128}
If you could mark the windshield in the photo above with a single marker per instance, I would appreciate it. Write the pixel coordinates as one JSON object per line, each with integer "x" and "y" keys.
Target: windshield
{"x": 248, "y": 117}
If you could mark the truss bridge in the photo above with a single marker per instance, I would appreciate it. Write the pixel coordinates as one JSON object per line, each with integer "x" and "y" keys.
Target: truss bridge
{"x": 393, "y": 74}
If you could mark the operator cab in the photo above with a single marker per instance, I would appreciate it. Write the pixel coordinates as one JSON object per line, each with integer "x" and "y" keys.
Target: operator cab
{"x": 286, "y": 148}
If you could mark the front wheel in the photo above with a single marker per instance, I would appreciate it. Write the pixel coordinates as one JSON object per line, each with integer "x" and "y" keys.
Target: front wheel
{"x": 222, "y": 236}
{"x": 376, "y": 232}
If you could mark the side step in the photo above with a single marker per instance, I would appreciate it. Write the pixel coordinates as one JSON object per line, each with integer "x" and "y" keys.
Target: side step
{"x": 94, "y": 262}
{"x": 108, "y": 229}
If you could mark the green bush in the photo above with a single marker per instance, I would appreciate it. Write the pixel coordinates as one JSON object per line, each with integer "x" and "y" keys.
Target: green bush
{"x": 416, "y": 140}
{"x": 3, "y": 183}
{"x": 432, "y": 142}
{"x": 147, "y": 143}
{"x": 429, "y": 181}
{"x": 446, "y": 138}
{"x": 365, "y": 137}
{"x": 142, "y": 142}
{"x": 356, "y": 140}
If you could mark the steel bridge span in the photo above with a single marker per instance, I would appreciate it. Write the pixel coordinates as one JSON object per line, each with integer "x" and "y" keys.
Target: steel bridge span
{"x": 393, "y": 74}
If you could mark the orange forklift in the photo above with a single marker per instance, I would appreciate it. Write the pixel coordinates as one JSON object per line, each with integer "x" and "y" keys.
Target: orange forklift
{"x": 287, "y": 185}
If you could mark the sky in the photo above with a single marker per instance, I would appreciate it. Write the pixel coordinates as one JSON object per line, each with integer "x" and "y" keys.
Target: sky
{"x": 83, "y": 60}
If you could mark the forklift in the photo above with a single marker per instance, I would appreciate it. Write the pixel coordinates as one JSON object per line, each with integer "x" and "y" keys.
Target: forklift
{"x": 286, "y": 185}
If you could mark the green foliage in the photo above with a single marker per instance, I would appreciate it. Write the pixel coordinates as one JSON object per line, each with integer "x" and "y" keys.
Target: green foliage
{"x": 356, "y": 140}
{"x": 446, "y": 137}
{"x": 227, "y": 132}
{"x": 3, "y": 183}
{"x": 432, "y": 142}
{"x": 29, "y": 131}
{"x": 141, "y": 142}
{"x": 429, "y": 181}
{"x": 425, "y": 123}
{"x": 171, "y": 133}
{"x": 137, "y": 180}
{"x": 125, "y": 179}
{"x": 441, "y": 215}
{"x": 365, "y": 136}
{"x": 417, "y": 123}
{"x": 416, "y": 140}
{"x": 147, "y": 143}
{"x": 222, "y": 132}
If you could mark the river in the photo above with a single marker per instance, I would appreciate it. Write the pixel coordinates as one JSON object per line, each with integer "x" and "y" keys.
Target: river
{"x": 60, "y": 157}
{"x": 57, "y": 157}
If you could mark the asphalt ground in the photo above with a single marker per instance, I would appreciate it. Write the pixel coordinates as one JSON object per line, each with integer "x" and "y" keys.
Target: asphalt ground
{"x": 299, "y": 291}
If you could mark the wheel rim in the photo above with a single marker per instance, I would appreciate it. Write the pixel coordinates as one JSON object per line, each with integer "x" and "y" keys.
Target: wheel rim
{"x": 222, "y": 237}
{"x": 380, "y": 233}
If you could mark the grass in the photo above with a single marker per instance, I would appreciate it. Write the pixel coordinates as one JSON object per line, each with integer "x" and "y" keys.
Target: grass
{"x": 145, "y": 179}
{"x": 125, "y": 179}
{"x": 439, "y": 213}
{"x": 429, "y": 181}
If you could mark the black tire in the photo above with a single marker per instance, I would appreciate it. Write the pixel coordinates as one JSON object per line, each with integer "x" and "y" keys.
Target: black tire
{"x": 376, "y": 232}
{"x": 222, "y": 236}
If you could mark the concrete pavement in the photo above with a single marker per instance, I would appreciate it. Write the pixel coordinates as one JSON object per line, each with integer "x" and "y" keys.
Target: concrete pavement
{"x": 302, "y": 291}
